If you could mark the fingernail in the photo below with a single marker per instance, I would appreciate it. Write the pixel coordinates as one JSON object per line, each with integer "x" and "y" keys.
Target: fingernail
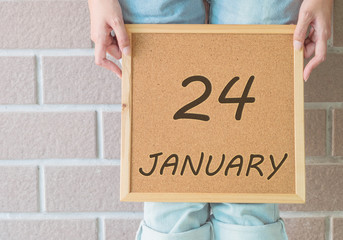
{"x": 297, "y": 45}
{"x": 126, "y": 50}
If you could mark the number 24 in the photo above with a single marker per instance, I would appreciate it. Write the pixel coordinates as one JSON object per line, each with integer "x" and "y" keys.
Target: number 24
{"x": 182, "y": 112}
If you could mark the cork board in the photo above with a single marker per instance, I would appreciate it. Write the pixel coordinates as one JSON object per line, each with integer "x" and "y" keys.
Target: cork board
{"x": 212, "y": 113}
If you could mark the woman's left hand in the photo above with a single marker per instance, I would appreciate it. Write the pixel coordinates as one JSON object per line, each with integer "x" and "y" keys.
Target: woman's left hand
{"x": 317, "y": 14}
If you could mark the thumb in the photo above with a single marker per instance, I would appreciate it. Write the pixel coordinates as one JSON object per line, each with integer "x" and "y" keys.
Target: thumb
{"x": 300, "y": 31}
{"x": 118, "y": 26}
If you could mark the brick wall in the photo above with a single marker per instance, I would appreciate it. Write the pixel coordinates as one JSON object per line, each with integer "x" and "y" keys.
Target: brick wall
{"x": 60, "y": 133}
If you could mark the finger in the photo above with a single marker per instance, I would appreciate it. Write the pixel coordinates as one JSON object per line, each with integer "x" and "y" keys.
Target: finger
{"x": 101, "y": 60}
{"x": 113, "y": 49}
{"x": 301, "y": 29}
{"x": 310, "y": 35}
{"x": 320, "y": 55}
{"x": 117, "y": 23}
{"x": 307, "y": 41}
{"x": 309, "y": 49}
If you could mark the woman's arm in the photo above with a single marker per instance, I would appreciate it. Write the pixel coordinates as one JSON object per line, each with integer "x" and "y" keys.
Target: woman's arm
{"x": 317, "y": 14}
{"x": 106, "y": 15}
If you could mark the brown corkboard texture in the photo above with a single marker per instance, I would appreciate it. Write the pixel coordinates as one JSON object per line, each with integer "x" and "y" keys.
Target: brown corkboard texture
{"x": 160, "y": 63}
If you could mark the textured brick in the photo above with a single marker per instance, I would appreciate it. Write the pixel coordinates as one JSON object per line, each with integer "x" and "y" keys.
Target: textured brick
{"x": 18, "y": 189}
{"x": 112, "y": 134}
{"x": 338, "y": 229}
{"x": 77, "y": 80}
{"x": 47, "y": 135}
{"x": 44, "y": 24}
{"x": 323, "y": 189}
{"x": 337, "y": 132}
{"x": 18, "y": 84}
{"x": 123, "y": 229}
{"x": 85, "y": 188}
{"x": 74, "y": 229}
{"x": 325, "y": 83}
{"x": 305, "y": 228}
{"x": 338, "y": 23}
{"x": 315, "y": 132}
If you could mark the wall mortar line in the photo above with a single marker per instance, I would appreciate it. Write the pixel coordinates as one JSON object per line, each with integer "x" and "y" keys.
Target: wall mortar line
{"x": 100, "y": 132}
{"x": 329, "y": 132}
{"x": 48, "y": 52}
{"x": 331, "y": 229}
{"x": 327, "y": 228}
{"x": 60, "y": 162}
{"x": 39, "y": 80}
{"x": 41, "y": 185}
{"x": 101, "y": 228}
{"x": 59, "y": 107}
{"x": 71, "y": 215}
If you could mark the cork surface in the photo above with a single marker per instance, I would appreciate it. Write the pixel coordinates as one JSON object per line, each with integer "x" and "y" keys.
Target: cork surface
{"x": 228, "y": 155}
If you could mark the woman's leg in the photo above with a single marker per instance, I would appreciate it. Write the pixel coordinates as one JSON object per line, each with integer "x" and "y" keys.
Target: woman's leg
{"x": 236, "y": 221}
{"x": 179, "y": 221}
{"x": 162, "y": 221}
{"x": 248, "y": 221}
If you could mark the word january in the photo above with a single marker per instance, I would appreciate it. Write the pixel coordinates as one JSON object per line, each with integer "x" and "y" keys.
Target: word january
{"x": 172, "y": 162}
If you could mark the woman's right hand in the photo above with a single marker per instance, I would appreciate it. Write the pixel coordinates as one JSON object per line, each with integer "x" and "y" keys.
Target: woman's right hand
{"x": 105, "y": 16}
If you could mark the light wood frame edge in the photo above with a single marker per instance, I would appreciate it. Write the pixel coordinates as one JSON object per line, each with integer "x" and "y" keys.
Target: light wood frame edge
{"x": 299, "y": 122}
{"x": 126, "y": 113}
{"x": 125, "y": 167}
{"x": 213, "y": 28}
{"x": 215, "y": 197}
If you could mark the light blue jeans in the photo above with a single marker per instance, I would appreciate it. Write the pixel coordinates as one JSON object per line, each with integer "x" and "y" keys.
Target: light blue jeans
{"x": 209, "y": 221}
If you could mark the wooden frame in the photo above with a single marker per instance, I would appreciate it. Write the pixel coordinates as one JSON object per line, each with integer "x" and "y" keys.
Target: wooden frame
{"x": 125, "y": 176}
